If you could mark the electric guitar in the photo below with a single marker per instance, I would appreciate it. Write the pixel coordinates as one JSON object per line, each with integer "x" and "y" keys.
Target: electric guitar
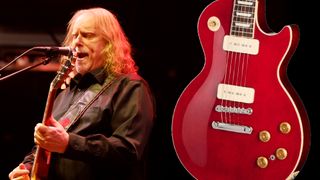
{"x": 240, "y": 117}
{"x": 41, "y": 161}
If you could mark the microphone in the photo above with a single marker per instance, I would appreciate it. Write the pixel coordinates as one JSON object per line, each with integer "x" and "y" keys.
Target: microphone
{"x": 67, "y": 51}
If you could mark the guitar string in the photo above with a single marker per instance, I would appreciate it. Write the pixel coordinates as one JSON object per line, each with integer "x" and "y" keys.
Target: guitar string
{"x": 250, "y": 31}
{"x": 230, "y": 80}
{"x": 224, "y": 103}
{"x": 240, "y": 60}
{"x": 237, "y": 67}
{"x": 244, "y": 57}
{"x": 238, "y": 82}
{"x": 224, "y": 114}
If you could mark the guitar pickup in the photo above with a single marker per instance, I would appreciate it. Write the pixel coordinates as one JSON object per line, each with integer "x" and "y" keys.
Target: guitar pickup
{"x": 235, "y": 93}
{"x": 241, "y": 45}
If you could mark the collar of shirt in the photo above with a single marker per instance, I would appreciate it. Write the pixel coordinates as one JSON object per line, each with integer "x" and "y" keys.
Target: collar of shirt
{"x": 82, "y": 82}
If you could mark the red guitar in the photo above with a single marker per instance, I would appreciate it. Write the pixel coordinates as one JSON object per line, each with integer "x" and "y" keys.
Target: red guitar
{"x": 41, "y": 161}
{"x": 240, "y": 117}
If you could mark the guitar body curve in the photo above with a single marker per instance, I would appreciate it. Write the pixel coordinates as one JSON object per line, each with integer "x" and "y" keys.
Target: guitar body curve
{"x": 264, "y": 136}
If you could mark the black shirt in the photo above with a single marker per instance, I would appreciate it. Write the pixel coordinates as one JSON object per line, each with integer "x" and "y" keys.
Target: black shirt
{"x": 109, "y": 140}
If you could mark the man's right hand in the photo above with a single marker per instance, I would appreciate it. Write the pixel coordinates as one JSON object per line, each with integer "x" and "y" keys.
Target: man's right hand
{"x": 19, "y": 173}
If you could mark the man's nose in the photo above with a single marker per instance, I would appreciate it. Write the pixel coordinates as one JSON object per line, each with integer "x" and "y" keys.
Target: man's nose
{"x": 77, "y": 41}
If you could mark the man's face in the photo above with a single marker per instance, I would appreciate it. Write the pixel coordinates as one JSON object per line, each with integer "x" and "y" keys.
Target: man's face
{"x": 88, "y": 45}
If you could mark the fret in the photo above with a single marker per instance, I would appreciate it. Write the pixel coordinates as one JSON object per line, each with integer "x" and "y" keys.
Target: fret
{"x": 247, "y": 10}
{"x": 242, "y": 19}
{"x": 240, "y": 30}
{"x": 241, "y": 34}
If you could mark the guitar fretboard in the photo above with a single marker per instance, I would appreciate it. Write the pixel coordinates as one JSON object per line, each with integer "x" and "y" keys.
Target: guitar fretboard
{"x": 243, "y": 18}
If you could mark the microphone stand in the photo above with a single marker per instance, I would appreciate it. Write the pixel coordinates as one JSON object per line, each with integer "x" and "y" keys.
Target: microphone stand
{"x": 44, "y": 62}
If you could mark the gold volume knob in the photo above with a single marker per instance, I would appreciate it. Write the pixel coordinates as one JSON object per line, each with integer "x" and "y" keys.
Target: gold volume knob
{"x": 285, "y": 127}
{"x": 262, "y": 162}
{"x": 213, "y": 23}
{"x": 281, "y": 153}
{"x": 264, "y": 136}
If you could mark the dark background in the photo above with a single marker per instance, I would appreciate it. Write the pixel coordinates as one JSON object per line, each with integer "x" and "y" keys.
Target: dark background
{"x": 167, "y": 49}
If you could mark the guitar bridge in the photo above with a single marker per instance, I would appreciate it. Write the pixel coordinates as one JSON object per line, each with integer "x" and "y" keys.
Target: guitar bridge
{"x": 231, "y": 127}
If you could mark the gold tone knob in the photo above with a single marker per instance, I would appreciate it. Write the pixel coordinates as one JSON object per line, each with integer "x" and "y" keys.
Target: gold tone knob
{"x": 285, "y": 127}
{"x": 262, "y": 162}
{"x": 264, "y": 136}
{"x": 281, "y": 153}
{"x": 213, "y": 23}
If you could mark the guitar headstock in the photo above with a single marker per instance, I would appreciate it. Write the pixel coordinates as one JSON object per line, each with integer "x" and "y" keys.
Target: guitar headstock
{"x": 66, "y": 67}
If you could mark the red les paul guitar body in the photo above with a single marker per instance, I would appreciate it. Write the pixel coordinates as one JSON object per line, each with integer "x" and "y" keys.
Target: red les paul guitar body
{"x": 240, "y": 118}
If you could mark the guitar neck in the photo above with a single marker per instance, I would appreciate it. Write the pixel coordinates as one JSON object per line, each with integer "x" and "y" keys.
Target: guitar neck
{"x": 42, "y": 158}
{"x": 49, "y": 105}
{"x": 243, "y": 18}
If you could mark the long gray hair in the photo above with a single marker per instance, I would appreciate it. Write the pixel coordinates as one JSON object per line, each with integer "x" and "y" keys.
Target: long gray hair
{"x": 118, "y": 58}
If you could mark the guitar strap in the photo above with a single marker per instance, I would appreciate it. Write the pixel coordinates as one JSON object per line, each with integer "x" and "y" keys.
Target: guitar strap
{"x": 76, "y": 111}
